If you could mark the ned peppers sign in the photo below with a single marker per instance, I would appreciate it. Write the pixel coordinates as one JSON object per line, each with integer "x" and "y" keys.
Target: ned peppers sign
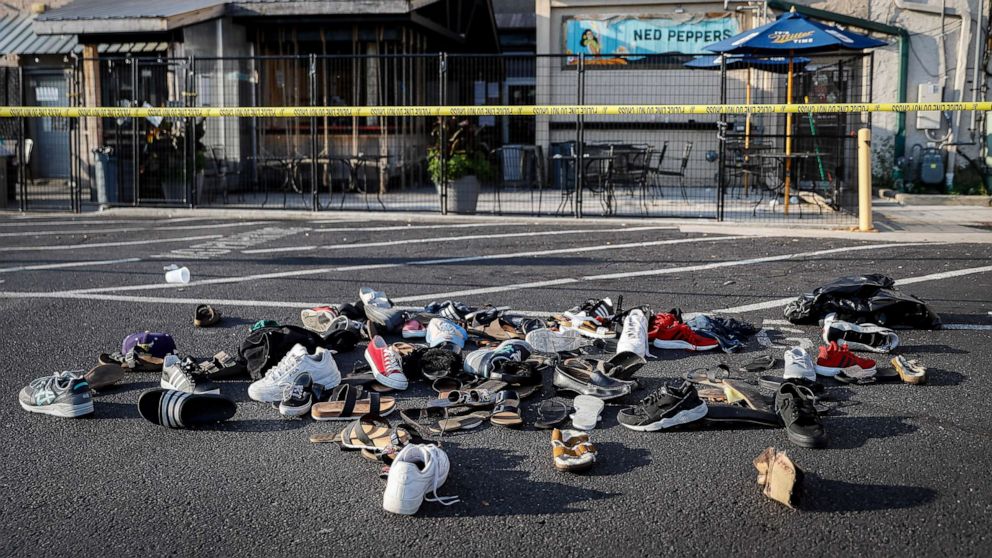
{"x": 602, "y": 39}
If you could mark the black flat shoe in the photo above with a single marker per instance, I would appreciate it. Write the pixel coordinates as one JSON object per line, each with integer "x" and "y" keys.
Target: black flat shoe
{"x": 802, "y": 423}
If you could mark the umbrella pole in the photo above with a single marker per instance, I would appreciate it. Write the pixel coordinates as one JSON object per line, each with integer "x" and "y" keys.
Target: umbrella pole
{"x": 747, "y": 134}
{"x": 788, "y": 136}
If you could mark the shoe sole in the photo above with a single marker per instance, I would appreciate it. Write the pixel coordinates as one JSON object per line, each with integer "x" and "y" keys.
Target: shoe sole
{"x": 165, "y": 384}
{"x": 294, "y": 411}
{"x": 415, "y": 335}
{"x": 383, "y": 379}
{"x": 658, "y": 343}
{"x": 831, "y": 371}
{"x": 906, "y": 375}
{"x": 858, "y": 340}
{"x": 403, "y": 507}
{"x": 60, "y": 409}
{"x": 804, "y": 442}
{"x": 682, "y": 417}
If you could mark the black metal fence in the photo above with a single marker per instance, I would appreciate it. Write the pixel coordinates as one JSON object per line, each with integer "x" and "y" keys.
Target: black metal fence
{"x": 707, "y": 166}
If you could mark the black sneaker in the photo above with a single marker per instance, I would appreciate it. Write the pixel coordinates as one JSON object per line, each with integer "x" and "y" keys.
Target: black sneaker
{"x": 62, "y": 395}
{"x": 675, "y": 404}
{"x": 177, "y": 409}
{"x": 297, "y": 397}
{"x": 795, "y": 404}
{"x": 185, "y": 375}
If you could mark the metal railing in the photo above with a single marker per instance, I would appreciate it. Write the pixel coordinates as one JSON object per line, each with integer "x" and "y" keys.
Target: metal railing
{"x": 689, "y": 165}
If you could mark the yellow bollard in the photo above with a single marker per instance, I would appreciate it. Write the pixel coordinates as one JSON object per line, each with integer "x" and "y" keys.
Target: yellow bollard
{"x": 864, "y": 181}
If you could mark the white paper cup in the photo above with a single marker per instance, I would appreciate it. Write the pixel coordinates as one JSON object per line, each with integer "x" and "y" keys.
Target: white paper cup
{"x": 180, "y": 275}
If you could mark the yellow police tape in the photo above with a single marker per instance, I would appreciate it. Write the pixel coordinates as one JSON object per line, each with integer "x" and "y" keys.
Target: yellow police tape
{"x": 495, "y": 110}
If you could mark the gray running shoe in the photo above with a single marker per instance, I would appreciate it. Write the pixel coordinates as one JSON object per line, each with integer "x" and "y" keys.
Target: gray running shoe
{"x": 390, "y": 319}
{"x": 185, "y": 375}
{"x": 484, "y": 362}
{"x": 62, "y": 395}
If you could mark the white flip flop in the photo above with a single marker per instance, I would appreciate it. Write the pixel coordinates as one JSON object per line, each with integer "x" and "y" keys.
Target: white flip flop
{"x": 587, "y": 410}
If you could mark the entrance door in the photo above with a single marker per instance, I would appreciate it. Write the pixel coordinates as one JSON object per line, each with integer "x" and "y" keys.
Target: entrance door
{"x": 50, "y": 152}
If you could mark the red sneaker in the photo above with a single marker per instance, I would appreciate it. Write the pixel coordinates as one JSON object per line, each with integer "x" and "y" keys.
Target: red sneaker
{"x": 835, "y": 358}
{"x": 387, "y": 368}
{"x": 659, "y": 322}
{"x": 677, "y": 335}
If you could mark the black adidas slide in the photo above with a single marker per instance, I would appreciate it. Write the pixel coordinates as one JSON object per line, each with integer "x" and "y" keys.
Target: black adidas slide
{"x": 178, "y": 409}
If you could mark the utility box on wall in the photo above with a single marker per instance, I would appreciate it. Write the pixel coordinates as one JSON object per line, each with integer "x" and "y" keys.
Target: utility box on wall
{"x": 928, "y": 93}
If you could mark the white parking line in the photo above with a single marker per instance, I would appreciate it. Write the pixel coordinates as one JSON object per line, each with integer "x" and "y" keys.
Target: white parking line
{"x": 493, "y": 237}
{"x": 164, "y": 300}
{"x": 105, "y": 244}
{"x": 644, "y": 273}
{"x": 961, "y": 327}
{"x": 413, "y": 227}
{"x": 133, "y": 229}
{"x": 367, "y": 267}
{"x": 69, "y": 264}
{"x": 76, "y": 222}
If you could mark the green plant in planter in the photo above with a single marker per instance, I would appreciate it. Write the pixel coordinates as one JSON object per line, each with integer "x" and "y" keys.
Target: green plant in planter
{"x": 463, "y": 154}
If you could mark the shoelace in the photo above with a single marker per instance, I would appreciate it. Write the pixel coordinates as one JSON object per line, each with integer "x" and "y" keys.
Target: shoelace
{"x": 284, "y": 366}
{"x": 59, "y": 378}
{"x": 392, "y": 361}
{"x": 443, "y": 500}
{"x": 291, "y": 391}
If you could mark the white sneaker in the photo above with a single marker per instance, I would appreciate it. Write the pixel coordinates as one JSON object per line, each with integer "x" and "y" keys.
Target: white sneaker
{"x": 859, "y": 337}
{"x": 417, "y": 470}
{"x": 634, "y": 338}
{"x": 545, "y": 340}
{"x": 320, "y": 365}
{"x": 445, "y": 332}
{"x": 799, "y": 365}
{"x": 371, "y": 297}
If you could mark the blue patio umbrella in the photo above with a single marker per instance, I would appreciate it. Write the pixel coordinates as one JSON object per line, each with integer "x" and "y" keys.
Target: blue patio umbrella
{"x": 777, "y": 64}
{"x": 792, "y": 32}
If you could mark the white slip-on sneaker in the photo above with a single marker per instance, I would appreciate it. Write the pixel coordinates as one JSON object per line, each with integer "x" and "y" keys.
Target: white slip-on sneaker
{"x": 799, "y": 365}
{"x": 634, "y": 338}
{"x": 859, "y": 337}
{"x": 320, "y": 365}
{"x": 417, "y": 470}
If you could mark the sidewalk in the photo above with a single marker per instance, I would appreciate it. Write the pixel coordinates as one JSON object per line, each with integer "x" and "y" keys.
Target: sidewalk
{"x": 958, "y": 224}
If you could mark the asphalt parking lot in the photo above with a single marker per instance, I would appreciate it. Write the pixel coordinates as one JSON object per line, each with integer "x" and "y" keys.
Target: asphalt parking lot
{"x": 905, "y": 473}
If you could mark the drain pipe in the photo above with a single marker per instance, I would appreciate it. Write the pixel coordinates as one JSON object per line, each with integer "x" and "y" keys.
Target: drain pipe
{"x": 891, "y": 30}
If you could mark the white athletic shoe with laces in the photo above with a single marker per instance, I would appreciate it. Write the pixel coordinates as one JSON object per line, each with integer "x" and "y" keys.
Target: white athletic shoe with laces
{"x": 417, "y": 470}
{"x": 320, "y": 365}
{"x": 634, "y": 338}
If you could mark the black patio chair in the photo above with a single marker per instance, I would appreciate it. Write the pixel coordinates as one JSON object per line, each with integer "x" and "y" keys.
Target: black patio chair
{"x": 680, "y": 173}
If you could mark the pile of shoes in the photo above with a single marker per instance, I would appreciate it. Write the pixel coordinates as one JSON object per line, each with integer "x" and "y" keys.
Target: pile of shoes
{"x": 484, "y": 366}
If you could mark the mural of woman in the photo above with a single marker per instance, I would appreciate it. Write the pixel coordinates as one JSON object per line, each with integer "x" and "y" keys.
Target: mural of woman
{"x": 590, "y": 41}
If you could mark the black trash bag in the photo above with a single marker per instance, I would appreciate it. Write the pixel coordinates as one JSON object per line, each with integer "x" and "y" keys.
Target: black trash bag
{"x": 870, "y": 298}
{"x": 264, "y": 347}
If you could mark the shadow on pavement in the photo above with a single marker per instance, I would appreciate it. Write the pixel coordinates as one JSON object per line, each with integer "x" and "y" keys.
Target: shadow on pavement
{"x": 849, "y": 432}
{"x": 502, "y": 488}
{"x": 931, "y": 349}
{"x": 830, "y": 496}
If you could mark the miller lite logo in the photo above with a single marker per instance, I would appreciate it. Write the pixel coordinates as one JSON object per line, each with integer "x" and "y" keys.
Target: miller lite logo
{"x": 782, "y": 37}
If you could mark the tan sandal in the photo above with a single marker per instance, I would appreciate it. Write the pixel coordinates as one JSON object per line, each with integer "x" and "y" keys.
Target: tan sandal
{"x": 572, "y": 451}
